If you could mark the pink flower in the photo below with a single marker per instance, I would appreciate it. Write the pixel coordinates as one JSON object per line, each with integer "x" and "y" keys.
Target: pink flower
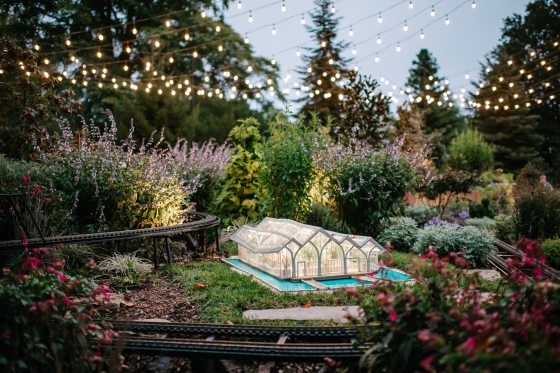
{"x": 92, "y": 326}
{"x": 26, "y": 179}
{"x": 424, "y": 335}
{"x": 32, "y": 309}
{"x": 67, "y": 300}
{"x": 538, "y": 273}
{"x": 468, "y": 346}
{"x": 392, "y": 316}
{"x": 6, "y": 271}
{"x": 427, "y": 363}
{"x": 62, "y": 277}
{"x": 33, "y": 262}
{"x": 101, "y": 290}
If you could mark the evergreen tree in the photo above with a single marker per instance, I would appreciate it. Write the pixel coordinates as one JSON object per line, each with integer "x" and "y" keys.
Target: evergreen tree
{"x": 410, "y": 125}
{"x": 538, "y": 31}
{"x": 325, "y": 68}
{"x": 131, "y": 42}
{"x": 432, "y": 97}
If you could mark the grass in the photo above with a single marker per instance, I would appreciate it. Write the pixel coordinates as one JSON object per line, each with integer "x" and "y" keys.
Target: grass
{"x": 229, "y": 294}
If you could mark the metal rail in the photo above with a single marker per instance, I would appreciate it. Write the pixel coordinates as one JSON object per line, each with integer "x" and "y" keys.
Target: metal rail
{"x": 241, "y": 342}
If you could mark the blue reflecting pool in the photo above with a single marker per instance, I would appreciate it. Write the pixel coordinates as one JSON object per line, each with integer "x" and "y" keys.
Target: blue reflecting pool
{"x": 343, "y": 282}
{"x": 389, "y": 274}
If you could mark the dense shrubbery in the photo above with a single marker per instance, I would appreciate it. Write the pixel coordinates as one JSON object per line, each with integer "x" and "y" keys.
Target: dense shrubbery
{"x": 551, "y": 250}
{"x": 441, "y": 326}
{"x": 401, "y": 233}
{"x": 420, "y": 213}
{"x": 322, "y": 216}
{"x": 504, "y": 228}
{"x": 48, "y": 319}
{"x": 470, "y": 242}
{"x": 447, "y": 184}
{"x": 481, "y": 223}
{"x": 469, "y": 152}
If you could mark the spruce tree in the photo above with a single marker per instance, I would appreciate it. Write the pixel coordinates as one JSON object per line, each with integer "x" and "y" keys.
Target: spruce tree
{"x": 432, "y": 97}
{"x": 325, "y": 68}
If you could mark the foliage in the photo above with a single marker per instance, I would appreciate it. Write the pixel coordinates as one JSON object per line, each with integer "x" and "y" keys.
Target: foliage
{"x": 324, "y": 58}
{"x": 322, "y": 216}
{"x": 537, "y": 205}
{"x": 287, "y": 159}
{"x": 482, "y": 209}
{"x": 241, "y": 191}
{"x": 229, "y": 293}
{"x": 440, "y": 326}
{"x": 420, "y": 213}
{"x": 30, "y": 102}
{"x": 365, "y": 110}
{"x": 126, "y": 269}
{"x": 441, "y": 121}
{"x": 401, "y": 233}
{"x": 551, "y": 250}
{"x": 107, "y": 184}
{"x": 504, "y": 228}
{"x": 447, "y": 184}
{"x": 481, "y": 223}
{"x": 471, "y": 243}
{"x": 410, "y": 125}
{"x": 49, "y": 320}
{"x": 469, "y": 152}
{"x": 368, "y": 186}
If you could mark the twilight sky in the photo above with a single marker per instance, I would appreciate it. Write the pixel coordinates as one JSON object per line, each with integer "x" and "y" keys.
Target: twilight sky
{"x": 458, "y": 47}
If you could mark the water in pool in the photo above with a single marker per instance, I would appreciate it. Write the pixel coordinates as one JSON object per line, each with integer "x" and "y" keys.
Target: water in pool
{"x": 343, "y": 282}
{"x": 388, "y": 274}
{"x": 279, "y": 284}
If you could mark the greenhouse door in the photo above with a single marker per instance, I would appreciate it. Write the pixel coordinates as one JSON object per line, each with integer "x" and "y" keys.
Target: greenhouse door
{"x": 301, "y": 269}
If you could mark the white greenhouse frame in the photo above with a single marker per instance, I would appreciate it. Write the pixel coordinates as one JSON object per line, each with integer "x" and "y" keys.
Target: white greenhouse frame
{"x": 287, "y": 249}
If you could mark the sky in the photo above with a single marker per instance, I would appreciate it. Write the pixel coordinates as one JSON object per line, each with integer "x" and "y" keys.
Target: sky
{"x": 459, "y": 47}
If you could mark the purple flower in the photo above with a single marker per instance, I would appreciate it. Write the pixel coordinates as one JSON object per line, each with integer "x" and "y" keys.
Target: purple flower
{"x": 464, "y": 214}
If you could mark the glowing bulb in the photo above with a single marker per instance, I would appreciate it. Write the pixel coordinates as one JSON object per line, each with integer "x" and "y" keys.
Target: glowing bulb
{"x": 405, "y": 27}
{"x": 46, "y": 61}
{"x": 298, "y": 52}
{"x": 379, "y": 18}
{"x": 273, "y": 29}
{"x": 351, "y": 32}
{"x": 410, "y": 5}
{"x": 467, "y": 76}
{"x": 473, "y": 4}
{"x": 333, "y": 9}
{"x": 100, "y": 37}
{"x": 134, "y": 30}
{"x": 433, "y": 12}
{"x": 171, "y": 60}
{"x": 203, "y": 13}
{"x": 187, "y": 36}
{"x": 37, "y": 47}
{"x": 157, "y": 44}
{"x": 302, "y": 19}
{"x": 218, "y": 29}
{"x": 354, "y": 51}
{"x": 220, "y": 48}
{"x": 195, "y": 54}
{"x": 246, "y": 40}
{"x": 422, "y": 35}
{"x": 239, "y": 4}
{"x": 68, "y": 42}
{"x": 250, "y": 17}
{"x": 376, "y": 59}
{"x": 127, "y": 49}
{"x": 168, "y": 23}
{"x": 398, "y": 48}
{"x": 99, "y": 54}
{"x": 378, "y": 39}
{"x": 323, "y": 44}
{"x": 125, "y": 67}
{"x": 273, "y": 61}
{"x": 447, "y": 22}
{"x": 159, "y": 91}
{"x": 283, "y": 6}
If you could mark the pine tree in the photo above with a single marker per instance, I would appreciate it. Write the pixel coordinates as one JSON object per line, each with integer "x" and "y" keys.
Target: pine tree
{"x": 410, "y": 125}
{"x": 325, "y": 68}
{"x": 430, "y": 94}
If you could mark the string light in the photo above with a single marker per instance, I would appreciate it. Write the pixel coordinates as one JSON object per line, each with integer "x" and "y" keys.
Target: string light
{"x": 127, "y": 49}
{"x": 283, "y": 6}
{"x": 99, "y": 54}
{"x": 376, "y": 59}
{"x": 473, "y": 4}
{"x": 218, "y": 28}
{"x": 203, "y": 13}
{"x": 46, "y": 61}
{"x": 333, "y": 9}
{"x": 239, "y": 4}
{"x": 168, "y": 23}
{"x": 447, "y": 20}
{"x": 220, "y": 48}
{"x": 378, "y": 39}
{"x": 410, "y": 5}
{"x": 398, "y": 48}
{"x": 422, "y": 35}
{"x": 433, "y": 12}
{"x": 351, "y": 32}
{"x": 36, "y": 46}
{"x": 302, "y": 19}
{"x": 171, "y": 60}
{"x": 125, "y": 67}
{"x": 134, "y": 30}
{"x": 298, "y": 52}
{"x": 354, "y": 51}
{"x": 379, "y": 18}
{"x": 273, "y": 29}
{"x": 246, "y": 40}
{"x": 250, "y": 16}
{"x": 157, "y": 44}
{"x": 187, "y": 36}
{"x": 195, "y": 54}
{"x": 273, "y": 61}
{"x": 100, "y": 37}
{"x": 68, "y": 42}
{"x": 405, "y": 26}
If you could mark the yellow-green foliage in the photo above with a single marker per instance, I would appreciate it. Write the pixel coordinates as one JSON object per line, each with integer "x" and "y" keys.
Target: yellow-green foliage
{"x": 468, "y": 151}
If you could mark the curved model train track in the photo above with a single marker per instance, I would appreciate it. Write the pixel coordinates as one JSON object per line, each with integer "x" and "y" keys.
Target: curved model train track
{"x": 239, "y": 342}
{"x": 505, "y": 251}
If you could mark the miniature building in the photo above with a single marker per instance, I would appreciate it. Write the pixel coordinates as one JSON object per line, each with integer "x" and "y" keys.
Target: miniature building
{"x": 288, "y": 249}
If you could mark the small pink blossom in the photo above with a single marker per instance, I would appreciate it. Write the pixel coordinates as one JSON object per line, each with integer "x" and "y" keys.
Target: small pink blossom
{"x": 26, "y": 179}
{"x": 33, "y": 262}
{"x": 424, "y": 335}
{"x": 468, "y": 346}
{"x": 393, "y": 316}
{"x": 427, "y": 363}
{"x": 67, "y": 300}
{"x": 62, "y": 277}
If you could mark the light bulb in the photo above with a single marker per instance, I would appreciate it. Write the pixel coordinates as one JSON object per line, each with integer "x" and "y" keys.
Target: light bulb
{"x": 36, "y": 46}
{"x": 127, "y": 49}
{"x": 171, "y": 60}
{"x": 99, "y": 54}
{"x": 354, "y": 51}
{"x": 298, "y": 52}
{"x": 68, "y": 42}
{"x": 125, "y": 67}
{"x": 46, "y": 61}
{"x": 378, "y": 39}
{"x": 376, "y": 59}
{"x": 273, "y": 29}
{"x": 218, "y": 29}
{"x": 447, "y": 22}
{"x": 195, "y": 54}
{"x": 473, "y": 4}
{"x": 433, "y": 12}
{"x": 302, "y": 19}
{"x": 410, "y": 5}
{"x": 323, "y": 44}
{"x": 100, "y": 37}
{"x": 379, "y": 18}
{"x": 405, "y": 26}
{"x": 246, "y": 40}
{"x": 220, "y": 48}
{"x": 422, "y": 35}
{"x": 351, "y": 32}
{"x": 239, "y": 4}
{"x": 398, "y": 48}
{"x": 203, "y": 13}
{"x": 333, "y": 9}
{"x": 168, "y": 23}
{"x": 157, "y": 44}
{"x": 134, "y": 30}
{"x": 250, "y": 17}
{"x": 283, "y": 6}
{"x": 187, "y": 36}
{"x": 273, "y": 61}
{"x": 467, "y": 76}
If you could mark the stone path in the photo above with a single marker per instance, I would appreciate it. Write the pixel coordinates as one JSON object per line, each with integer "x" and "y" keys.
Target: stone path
{"x": 340, "y": 313}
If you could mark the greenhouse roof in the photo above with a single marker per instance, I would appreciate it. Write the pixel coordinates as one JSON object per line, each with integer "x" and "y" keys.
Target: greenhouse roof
{"x": 272, "y": 235}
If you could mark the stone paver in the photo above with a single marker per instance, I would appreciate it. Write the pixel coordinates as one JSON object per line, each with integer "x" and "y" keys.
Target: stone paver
{"x": 339, "y": 313}
{"x": 487, "y": 274}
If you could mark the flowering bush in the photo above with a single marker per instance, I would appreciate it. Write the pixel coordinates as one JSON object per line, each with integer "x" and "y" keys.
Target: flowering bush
{"x": 48, "y": 318}
{"x": 420, "y": 213}
{"x": 369, "y": 185}
{"x": 481, "y": 223}
{"x": 472, "y": 243}
{"x": 445, "y": 185}
{"x": 439, "y": 326}
{"x": 401, "y": 233}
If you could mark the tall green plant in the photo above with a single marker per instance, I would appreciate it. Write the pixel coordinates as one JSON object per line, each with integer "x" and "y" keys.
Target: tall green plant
{"x": 468, "y": 151}
{"x": 288, "y": 167}
{"x": 241, "y": 191}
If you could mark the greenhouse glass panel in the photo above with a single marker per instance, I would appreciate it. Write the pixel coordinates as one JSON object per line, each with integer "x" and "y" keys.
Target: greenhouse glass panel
{"x": 288, "y": 249}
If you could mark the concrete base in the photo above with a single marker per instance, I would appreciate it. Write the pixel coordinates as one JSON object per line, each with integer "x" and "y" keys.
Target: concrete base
{"x": 340, "y": 314}
{"x": 487, "y": 274}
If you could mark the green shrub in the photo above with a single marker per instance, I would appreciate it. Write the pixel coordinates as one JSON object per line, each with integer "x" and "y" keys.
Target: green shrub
{"x": 551, "y": 250}
{"x": 125, "y": 269}
{"x": 504, "y": 228}
{"x": 470, "y": 242}
{"x": 322, "y": 216}
{"x": 481, "y": 223}
{"x": 468, "y": 151}
{"x": 241, "y": 192}
{"x": 447, "y": 184}
{"x": 537, "y": 206}
{"x": 49, "y": 321}
{"x": 421, "y": 213}
{"x": 401, "y": 232}
{"x": 482, "y": 209}
{"x": 287, "y": 158}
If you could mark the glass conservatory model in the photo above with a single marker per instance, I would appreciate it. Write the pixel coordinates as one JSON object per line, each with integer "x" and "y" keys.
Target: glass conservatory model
{"x": 288, "y": 249}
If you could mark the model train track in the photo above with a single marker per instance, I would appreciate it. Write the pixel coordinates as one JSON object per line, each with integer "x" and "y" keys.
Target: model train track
{"x": 242, "y": 342}
{"x": 505, "y": 251}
